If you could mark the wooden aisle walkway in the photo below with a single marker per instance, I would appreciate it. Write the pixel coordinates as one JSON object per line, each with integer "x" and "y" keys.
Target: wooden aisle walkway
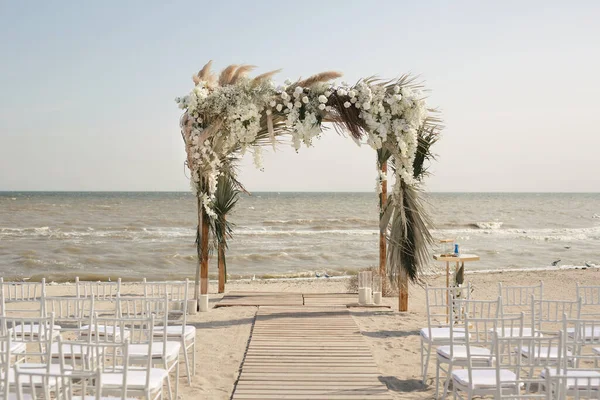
{"x": 308, "y": 353}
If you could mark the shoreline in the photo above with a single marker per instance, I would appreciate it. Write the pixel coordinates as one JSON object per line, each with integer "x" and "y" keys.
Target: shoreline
{"x": 302, "y": 276}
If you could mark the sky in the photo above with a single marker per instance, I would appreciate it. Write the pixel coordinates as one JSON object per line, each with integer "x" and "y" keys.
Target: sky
{"x": 87, "y": 88}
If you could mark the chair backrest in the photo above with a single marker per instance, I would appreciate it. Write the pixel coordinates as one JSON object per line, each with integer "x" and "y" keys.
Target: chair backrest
{"x": 130, "y": 306}
{"x": 517, "y": 299}
{"x": 439, "y": 300}
{"x": 33, "y": 384}
{"x": 102, "y": 291}
{"x": 5, "y": 364}
{"x": 548, "y": 314}
{"x": 71, "y": 313}
{"x": 37, "y": 331}
{"x": 520, "y": 295}
{"x": 23, "y": 297}
{"x": 176, "y": 290}
{"x": 561, "y": 384}
{"x": 582, "y": 338}
{"x": 590, "y": 300}
{"x": 524, "y": 356}
{"x": 135, "y": 330}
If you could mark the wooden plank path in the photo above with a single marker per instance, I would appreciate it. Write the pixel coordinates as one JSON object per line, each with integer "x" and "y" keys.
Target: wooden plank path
{"x": 308, "y": 353}
{"x": 284, "y": 299}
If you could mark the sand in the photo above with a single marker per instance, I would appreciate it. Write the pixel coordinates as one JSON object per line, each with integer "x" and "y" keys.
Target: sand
{"x": 393, "y": 337}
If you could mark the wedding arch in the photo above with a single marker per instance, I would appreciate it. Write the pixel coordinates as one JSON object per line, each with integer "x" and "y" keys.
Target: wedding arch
{"x": 226, "y": 116}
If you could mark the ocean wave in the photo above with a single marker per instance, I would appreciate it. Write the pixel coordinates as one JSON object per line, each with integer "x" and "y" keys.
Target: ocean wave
{"x": 323, "y": 223}
{"x": 488, "y": 225}
{"x": 544, "y": 234}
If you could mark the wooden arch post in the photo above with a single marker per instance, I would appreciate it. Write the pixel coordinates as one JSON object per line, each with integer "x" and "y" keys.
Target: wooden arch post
{"x": 201, "y": 282}
{"x": 382, "y": 239}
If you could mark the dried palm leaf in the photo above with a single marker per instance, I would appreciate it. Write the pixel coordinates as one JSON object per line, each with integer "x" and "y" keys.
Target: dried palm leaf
{"x": 227, "y": 75}
{"x": 264, "y": 77}
{"x": 319, "y": 78}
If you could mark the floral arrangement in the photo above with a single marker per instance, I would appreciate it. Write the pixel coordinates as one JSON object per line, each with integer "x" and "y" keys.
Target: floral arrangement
{"x": 228, "y": 116}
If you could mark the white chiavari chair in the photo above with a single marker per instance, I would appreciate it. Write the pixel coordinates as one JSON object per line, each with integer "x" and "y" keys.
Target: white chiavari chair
{"x": 176, "y": 328}
{"x": 438, "y": 302}
{"x": 33, "y": 384}
{"x": 518, "y": 299}
{"x": 38, "y": 345}
{"x": 74, "y": 315}
{"x": 111, "y": 361}
{"x": 454, "y": 354}
{"x": 509, "y": 373}
{"x": 142, "y": 352}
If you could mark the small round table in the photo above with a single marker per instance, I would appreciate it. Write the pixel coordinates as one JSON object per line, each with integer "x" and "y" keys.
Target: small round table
{"x": 459, "y": 260}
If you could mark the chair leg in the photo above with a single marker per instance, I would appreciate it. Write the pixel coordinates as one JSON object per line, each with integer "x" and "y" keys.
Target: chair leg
{"x": 177, "y": 377}
{"x": 194, "y": 357}
{"x": 166, "y": 366}
{"x": 437, "y": 378}
{"x": 448, "y": 378}
{"x": 186, "y": 359}
{"x": 426, "y": 365}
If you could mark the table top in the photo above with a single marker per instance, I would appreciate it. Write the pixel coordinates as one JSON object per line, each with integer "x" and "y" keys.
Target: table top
{"x": 460, "y": 257}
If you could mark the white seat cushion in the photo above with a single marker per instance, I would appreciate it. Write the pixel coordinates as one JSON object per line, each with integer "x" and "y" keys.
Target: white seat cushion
{"x": 136, "y": 379}
{"x": 582, "y": 374}
{"x": 18, "y": 348}
{"x": 442, "y": 333}
{"x": 541, "y": 353}
{"x": 93, "y": 397}
{"x": 175, "y": 331}
{"x": 460, "y": 352}
{"x": 484, "y": 378}
{"x": 137, "y": 351}
{"x": 589, "y": 333}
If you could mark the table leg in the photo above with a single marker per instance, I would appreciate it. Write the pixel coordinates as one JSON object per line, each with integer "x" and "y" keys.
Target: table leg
{"x": 447, "y": 293}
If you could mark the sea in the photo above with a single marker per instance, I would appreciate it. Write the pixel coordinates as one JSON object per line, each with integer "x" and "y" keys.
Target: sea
{"x": 101, "y": 235}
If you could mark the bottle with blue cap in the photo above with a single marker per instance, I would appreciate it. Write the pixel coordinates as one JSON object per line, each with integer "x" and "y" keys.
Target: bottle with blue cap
{"x": 456, "y": 253}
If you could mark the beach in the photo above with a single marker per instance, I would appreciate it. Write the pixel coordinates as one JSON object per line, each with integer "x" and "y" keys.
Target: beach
{"x": 223, "y": 333}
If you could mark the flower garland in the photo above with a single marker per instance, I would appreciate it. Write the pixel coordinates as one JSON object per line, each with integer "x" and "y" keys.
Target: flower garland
{"x": 223, "y": 119}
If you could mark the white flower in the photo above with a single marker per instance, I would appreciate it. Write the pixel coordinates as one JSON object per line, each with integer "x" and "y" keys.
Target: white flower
{"x": 322, "y": 99}
{"x": 298, "y": 90}
{"x": 327, "y": 93}
{"x": 305, "y": 99}
{"x": 288, "y": 82}
{"x": 297, "y": 104}
{"x": 290, "y": 105}
{"x": 279, "y": 107}
{"x": 328, "y": 108}
{"x": 322, "y": 106}
{"x": 272, "y": 103}
{"x": 366, "y": 106}
{"x": 341, "y": 92}
{"x": 352, "y": 93}
{"x": 268, "y": 112}
{"x": 347, "y": 104}
{"x": 396, "y": 89}
{"x": 285, "y": 96}
{"x": 357, "y": 105}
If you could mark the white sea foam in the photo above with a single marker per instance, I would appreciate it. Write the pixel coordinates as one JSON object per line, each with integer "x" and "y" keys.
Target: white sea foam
{"x": 489, "y": 225}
